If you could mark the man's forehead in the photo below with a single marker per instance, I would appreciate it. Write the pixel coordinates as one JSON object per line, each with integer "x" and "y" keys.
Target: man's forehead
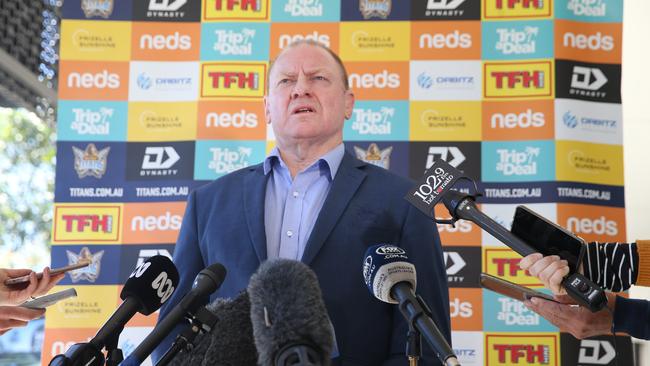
{"x": 306, "y": 58}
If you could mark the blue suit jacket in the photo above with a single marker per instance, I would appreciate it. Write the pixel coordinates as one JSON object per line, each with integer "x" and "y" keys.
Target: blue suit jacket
{"x": 224, "y": 222}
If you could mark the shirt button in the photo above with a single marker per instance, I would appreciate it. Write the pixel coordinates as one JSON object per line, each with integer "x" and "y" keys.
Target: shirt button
{"x": 295, "y": 194}
{"x": 289, "y": 233}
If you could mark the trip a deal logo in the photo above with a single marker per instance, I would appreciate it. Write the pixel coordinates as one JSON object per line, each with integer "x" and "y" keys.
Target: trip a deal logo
{"x": 233, "y": 80}
{"x": 513, "y": 9}
{"x": 522, "y": 349}
{"x": 230, "y": 10}
{"x": 518, "y": 80}
{"x": 96, "y": 223}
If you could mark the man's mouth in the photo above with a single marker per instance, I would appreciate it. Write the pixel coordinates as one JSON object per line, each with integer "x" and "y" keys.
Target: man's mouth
{"x": 300, "y": 110}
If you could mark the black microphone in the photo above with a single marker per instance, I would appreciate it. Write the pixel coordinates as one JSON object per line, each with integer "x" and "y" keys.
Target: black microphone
{"x": 230, "y": 342}
{"x": 205, "y": 283}
{"x": 436, "y": 185}
{"x": 146, "y": 289}
{"x": 290, "y": 321}
{"x": 391, "y": 278}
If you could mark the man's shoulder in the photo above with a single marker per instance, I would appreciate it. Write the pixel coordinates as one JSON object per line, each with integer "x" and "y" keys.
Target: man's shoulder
{"x": 228, "y": 182}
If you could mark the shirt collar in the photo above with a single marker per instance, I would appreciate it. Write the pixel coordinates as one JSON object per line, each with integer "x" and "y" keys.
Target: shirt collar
{"x": 329, "y": 162}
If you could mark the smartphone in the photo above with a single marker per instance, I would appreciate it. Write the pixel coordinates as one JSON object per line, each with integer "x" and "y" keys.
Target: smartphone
{"x": 48, "y": 300}
{"x": 55, "y": 271}
{"x": 510, "y": 289}
{"x": 547, "y": 237}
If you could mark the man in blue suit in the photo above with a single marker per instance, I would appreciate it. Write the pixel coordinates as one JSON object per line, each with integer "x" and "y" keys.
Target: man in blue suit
{"x": 311, "y": 201}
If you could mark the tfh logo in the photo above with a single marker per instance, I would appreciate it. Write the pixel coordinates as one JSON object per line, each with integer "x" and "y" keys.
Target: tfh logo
{"x": 531, "y": 354}
{"x": 230, "y": 5}
{"x": 513, "y": 78}
{"x": 527, "y": 4}
{"x": 94, "y": 222}
{"x": 511, "y": 265}
{"x": 242, "y": 80}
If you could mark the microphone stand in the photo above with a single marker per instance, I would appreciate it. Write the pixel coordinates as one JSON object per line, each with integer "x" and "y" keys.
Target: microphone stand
{"x": 203, "y": 322}
{"x": 413, "y": 345}
{"x": 113, "y": 354}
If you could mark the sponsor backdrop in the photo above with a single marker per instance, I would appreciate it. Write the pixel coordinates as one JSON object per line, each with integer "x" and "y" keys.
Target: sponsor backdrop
{"x": 161, "y": 96}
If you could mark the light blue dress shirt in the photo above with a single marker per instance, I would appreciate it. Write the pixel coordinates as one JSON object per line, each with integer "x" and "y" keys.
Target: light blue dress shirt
{"x": 291, "y": 206}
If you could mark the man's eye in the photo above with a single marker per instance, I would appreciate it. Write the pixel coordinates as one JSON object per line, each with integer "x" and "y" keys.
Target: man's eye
{"x": 319, "y": 78}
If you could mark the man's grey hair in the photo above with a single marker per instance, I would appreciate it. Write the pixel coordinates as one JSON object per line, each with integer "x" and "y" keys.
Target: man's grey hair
{"x": 310, "y": 42}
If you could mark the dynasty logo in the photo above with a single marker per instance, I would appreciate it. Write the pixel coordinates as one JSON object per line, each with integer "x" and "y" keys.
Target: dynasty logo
{"x": 374, "y": 155}
{"x": 90, "y": 162}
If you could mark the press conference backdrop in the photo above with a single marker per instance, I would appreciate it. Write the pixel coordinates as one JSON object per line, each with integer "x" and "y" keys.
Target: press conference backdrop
{"x": 158, "y": 97}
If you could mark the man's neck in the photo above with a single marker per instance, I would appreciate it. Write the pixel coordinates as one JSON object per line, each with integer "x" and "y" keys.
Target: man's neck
{"x": 299, "y": 156}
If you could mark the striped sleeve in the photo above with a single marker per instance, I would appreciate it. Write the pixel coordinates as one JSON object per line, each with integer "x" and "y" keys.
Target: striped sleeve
{"x": 613, "y": 266}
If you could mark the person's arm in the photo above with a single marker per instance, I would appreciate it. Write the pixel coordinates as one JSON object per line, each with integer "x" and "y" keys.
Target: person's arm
{"x": 421, "y": 242}
{"x": 632, "y": 316}
{"x": 19, "y": 293}
{"x": 17, "y": 316}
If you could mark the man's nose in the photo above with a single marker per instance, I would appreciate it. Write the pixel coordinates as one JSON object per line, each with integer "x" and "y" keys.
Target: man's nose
{"x": 301, "y": 88}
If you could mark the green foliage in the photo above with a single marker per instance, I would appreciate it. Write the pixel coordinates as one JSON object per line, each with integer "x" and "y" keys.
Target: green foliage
{"x": 27, "y": 156}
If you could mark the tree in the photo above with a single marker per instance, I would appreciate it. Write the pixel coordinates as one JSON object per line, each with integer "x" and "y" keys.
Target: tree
{"x": 27, "y": 157}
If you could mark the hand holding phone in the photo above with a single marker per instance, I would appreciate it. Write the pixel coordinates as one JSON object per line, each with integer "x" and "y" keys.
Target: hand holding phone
{"x": 53, "y": 272}
{"x": 48, "y": 300}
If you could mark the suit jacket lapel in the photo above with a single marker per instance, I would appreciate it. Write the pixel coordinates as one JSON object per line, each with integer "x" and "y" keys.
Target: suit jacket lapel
{"x": 345, "y": 184}
{"x": 254, "y": 194}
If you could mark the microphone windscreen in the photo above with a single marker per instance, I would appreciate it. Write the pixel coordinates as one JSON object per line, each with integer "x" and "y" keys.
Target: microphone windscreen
{"x": 287, "y": 309}
{"x": 230, "y": 342}
{"x": 384, "y": 266}
{"x": 152, "y": 283}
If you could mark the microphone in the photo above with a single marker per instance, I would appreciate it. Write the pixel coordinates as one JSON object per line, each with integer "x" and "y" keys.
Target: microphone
{"x": 391, "y": 278}
{"x": 205, "y": 283}
{"x": 436, "y": 186}
{"x": 146, "y": 289}
{"x": 290, "y": 322}
{"x": 230, "y": 343}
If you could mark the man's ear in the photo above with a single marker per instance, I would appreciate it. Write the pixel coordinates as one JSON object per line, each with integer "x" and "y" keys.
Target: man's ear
{"x": 349, "y": 103}
{"x": 267, "y": 114}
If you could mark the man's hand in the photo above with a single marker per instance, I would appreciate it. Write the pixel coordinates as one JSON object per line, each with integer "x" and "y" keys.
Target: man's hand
{"x": 550, "y": 270}
{"x": 19, "y": 293}
{"x": 16, "y": 316}
{"x": 577, "y": 320}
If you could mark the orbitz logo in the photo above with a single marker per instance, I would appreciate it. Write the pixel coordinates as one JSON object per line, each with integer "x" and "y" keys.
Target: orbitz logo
{"x": 519, "y": 163}
{"x": 225, "y": 160}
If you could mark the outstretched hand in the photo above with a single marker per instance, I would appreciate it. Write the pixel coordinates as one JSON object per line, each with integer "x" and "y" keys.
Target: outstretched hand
{"x": 19, "y": 293}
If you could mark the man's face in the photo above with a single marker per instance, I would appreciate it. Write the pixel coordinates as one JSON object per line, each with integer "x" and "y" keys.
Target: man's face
{"x": 307, "y": 99}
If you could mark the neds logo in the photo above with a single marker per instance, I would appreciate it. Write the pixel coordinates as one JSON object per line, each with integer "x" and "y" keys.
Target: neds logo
{"x": 156, "y": 223}
{"x": 381, "y": 80}
{"x": 240, "y": 119}
{"x": 87, "y": 80}
{"x": 594, "y": 42}
{"x": 287, "y": 39}
{"x": 455, "y": 39}
{"x": 174, "y": 41}
{"x": 522, "y": 120}
{"x": 600, "y": 226}
{"x": 461, "y": 309}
